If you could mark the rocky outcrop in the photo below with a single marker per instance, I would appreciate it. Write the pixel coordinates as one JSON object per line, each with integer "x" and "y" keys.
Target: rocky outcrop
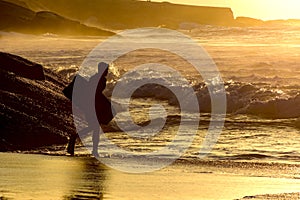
{"x": 21, "y": 66}
{"x": 17, "y": 18}
{"x": 34, "y": 113}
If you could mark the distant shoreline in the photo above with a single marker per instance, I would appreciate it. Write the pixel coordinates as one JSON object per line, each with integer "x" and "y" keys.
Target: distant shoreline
{"x": 83, "y": 19}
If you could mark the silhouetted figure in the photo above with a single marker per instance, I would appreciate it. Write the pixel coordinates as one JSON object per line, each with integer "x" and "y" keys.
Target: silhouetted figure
{"x": 84, "y": 102}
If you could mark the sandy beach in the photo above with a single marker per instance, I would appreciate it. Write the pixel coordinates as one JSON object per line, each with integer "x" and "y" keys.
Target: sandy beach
{"x": 28, "y": 176}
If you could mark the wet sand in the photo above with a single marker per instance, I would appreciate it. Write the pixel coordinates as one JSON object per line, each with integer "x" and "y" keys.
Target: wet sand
{"x": 27, "y": 176}
{"x": 286, "y": 196}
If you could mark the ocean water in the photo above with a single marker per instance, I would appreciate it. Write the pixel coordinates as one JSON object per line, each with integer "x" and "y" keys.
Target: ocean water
{"x": 260, "y": 68}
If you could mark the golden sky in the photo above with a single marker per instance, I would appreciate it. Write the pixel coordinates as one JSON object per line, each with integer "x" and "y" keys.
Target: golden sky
{"x": 261, "y": 9}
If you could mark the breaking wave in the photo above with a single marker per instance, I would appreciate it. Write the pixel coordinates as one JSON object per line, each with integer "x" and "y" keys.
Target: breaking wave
{"x": 261, "y": 99}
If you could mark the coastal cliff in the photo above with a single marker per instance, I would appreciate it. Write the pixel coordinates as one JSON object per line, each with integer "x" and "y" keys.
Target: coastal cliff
{"x": 17, "y": 18}
{"x": 121, "y": 14}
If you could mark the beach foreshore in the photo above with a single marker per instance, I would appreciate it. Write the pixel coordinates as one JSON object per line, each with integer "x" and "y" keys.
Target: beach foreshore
{"x": 275, "y": 196}
{"x": 31, "y": 176}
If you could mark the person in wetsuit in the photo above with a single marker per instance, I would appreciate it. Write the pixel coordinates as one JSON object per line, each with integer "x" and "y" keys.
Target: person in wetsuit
{"x": 104, "y": 112}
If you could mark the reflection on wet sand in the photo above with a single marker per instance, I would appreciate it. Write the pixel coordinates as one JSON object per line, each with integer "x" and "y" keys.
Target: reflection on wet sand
{"x": 91, "y": 184}
{"x": 25, "y": 176}
{"x": 44, "y": 177}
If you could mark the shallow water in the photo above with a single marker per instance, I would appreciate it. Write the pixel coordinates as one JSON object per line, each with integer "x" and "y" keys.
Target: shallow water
{"x": 260, "y": 68}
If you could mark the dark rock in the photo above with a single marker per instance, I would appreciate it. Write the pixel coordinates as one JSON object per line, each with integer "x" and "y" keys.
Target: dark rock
{"x": 21, "y": 66}
{"x": 33, "y": 113}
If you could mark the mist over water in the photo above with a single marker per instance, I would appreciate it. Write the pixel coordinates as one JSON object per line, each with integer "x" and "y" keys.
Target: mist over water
{"x": 260, "y": 68}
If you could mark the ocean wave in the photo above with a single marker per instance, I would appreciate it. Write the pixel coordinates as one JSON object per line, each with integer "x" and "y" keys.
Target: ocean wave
{"x": 242, "y": 98}
{"x": 275, "y": 108}
{"x": 259, "y": 98}
{"x": 271, "y": 79}
{"x": 250, "y": 156}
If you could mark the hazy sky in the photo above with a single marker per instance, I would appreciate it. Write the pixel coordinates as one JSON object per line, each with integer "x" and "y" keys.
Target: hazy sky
{"x": 262, "y": 9}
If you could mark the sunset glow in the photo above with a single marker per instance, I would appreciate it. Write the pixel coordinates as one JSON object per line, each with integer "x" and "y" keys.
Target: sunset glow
{"x": 266, "y": 9}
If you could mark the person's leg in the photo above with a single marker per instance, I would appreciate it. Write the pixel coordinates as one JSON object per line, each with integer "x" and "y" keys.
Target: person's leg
{"x": 71, "y": 144}
{"x": 96, "y": 138}
{"x": 72, "y": 140}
